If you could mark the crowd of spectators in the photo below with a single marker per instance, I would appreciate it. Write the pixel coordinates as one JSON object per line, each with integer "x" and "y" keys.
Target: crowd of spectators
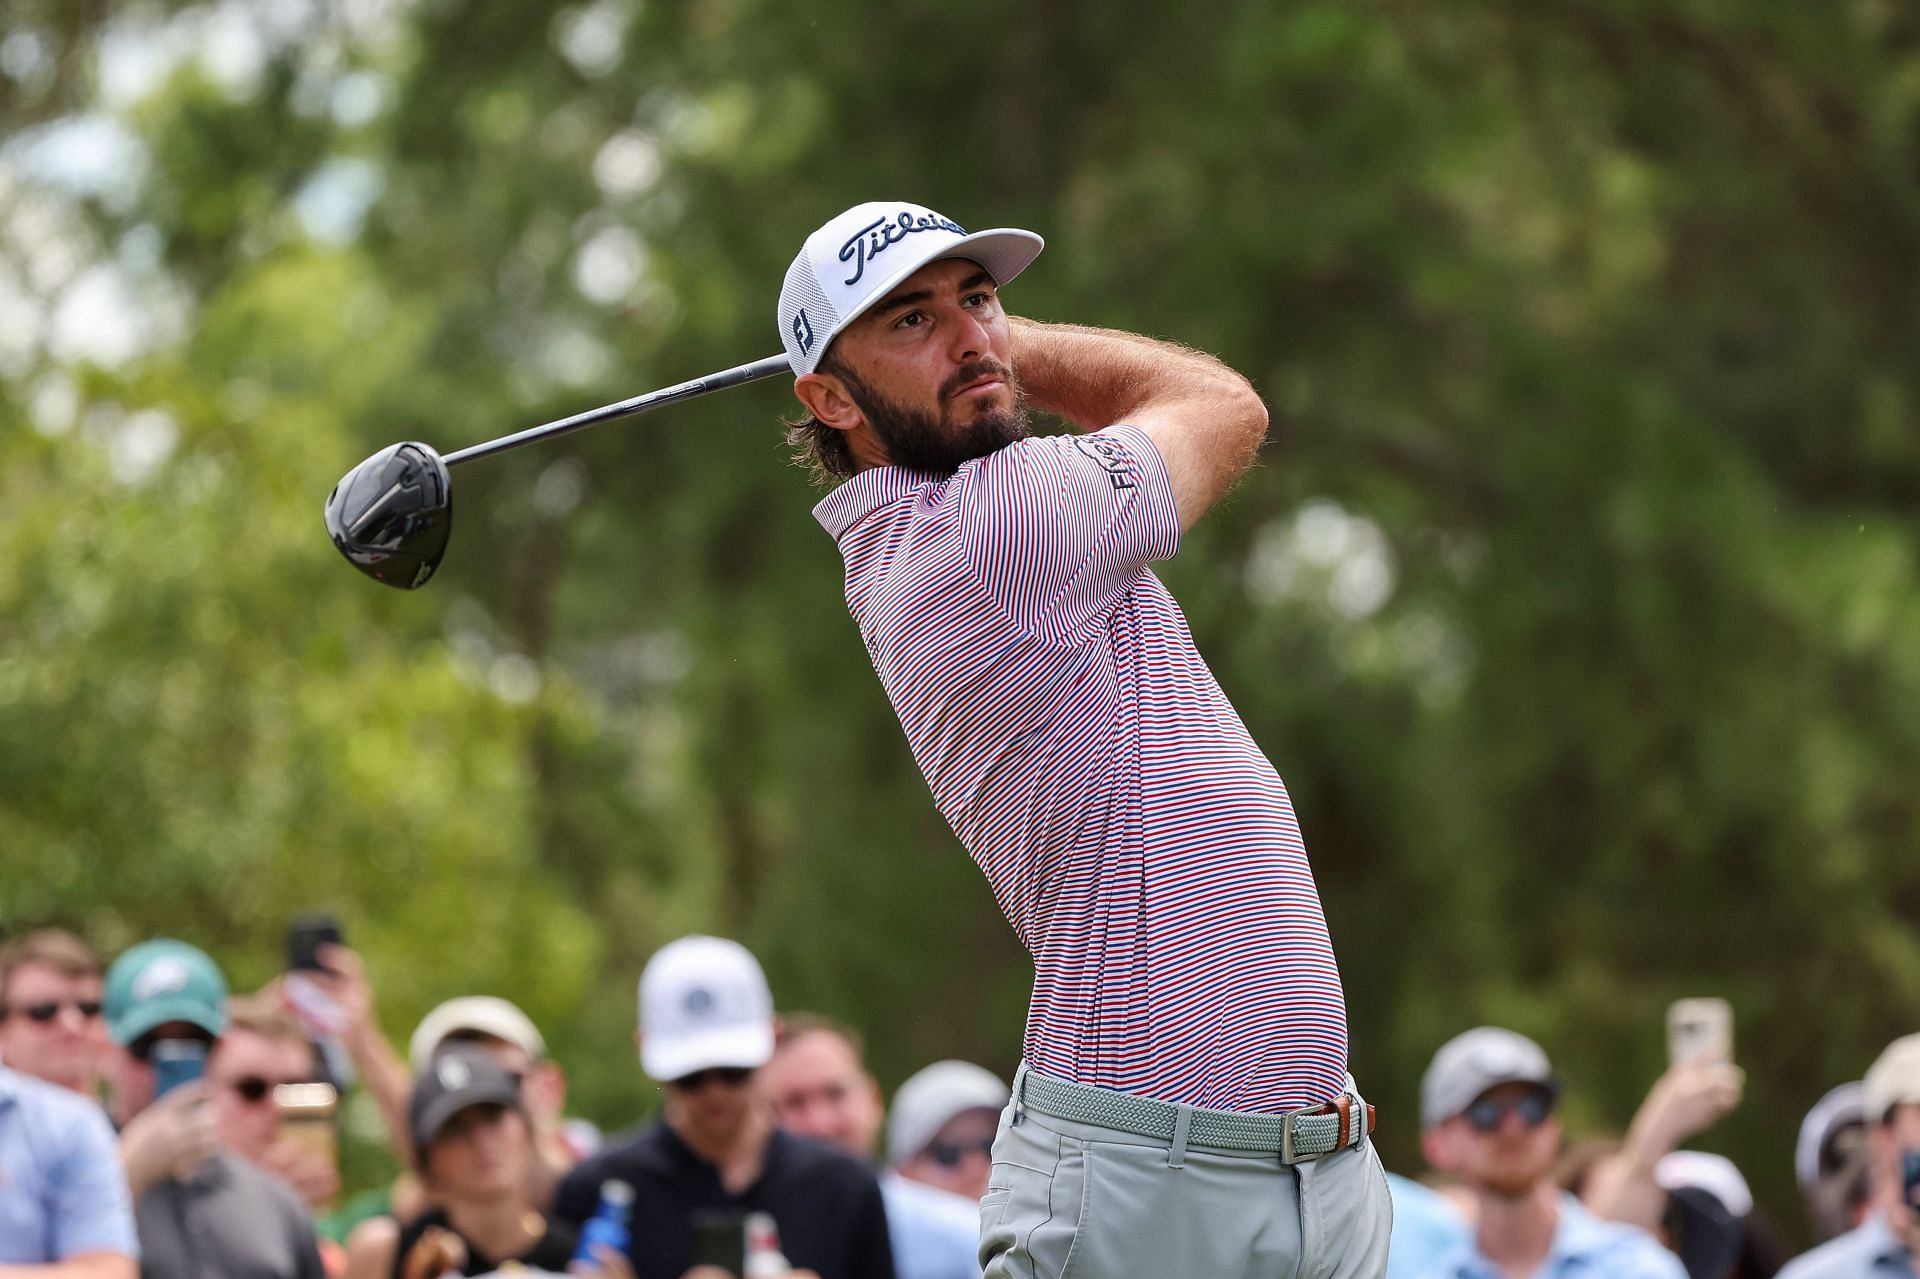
{"x": 152, "y": 1123}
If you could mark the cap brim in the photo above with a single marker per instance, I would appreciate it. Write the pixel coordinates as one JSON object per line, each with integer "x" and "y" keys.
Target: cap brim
{"x": 443, "y": 1108}
{"x": 1003, "y": 252}
{"x": 670, "y": 1058}
{"x": 159, "y": 1012}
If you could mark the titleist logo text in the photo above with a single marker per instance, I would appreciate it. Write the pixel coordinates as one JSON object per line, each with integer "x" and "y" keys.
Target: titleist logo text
{"x": 877, "y": 237}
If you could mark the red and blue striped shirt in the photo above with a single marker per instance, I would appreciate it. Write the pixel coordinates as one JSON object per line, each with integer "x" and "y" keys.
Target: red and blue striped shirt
{"x": 1137, "y": 839}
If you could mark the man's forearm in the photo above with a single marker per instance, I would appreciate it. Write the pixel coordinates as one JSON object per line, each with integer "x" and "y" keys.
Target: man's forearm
{"x": 1206, "y": 420}
{"x": 98, "y": 1265}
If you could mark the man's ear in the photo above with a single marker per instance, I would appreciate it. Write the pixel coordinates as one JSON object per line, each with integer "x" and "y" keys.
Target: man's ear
{"x": 826, "y": 398}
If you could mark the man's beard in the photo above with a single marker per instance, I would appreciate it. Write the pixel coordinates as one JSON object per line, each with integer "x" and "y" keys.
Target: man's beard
{"x": 919, "y": 440}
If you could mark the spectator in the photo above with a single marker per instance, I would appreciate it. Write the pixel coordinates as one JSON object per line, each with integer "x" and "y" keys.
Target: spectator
{"x": 1830, "y": 1161}
{"x": 50, "y": 1024}
{"x": 1426, "y": 1227}
{"x": 820, "y": 1088}
{"x": 706, "y": 1027}
{"x": 64, "y": 1211}
{"x": 1710, "y": 1220}
{"x": 1883, "y": 1245}
{"x": 474, "y": 1150}
{"x": 1486, "y": 1110}
{"x": 262, "y": 1048}
{"x": 511, "y": 1039}
{"x": 200, "y": 1211}
{"x": 942, "y": 1127}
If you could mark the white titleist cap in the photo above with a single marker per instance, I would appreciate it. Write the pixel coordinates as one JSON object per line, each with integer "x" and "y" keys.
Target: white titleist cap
{"x": 474, "y": 1015}
{"x": 1474, "y": 1061}
{"x": 858, "y": 257}
{"x": 703, "y": 1003}
{"x": 934, "y": 1095}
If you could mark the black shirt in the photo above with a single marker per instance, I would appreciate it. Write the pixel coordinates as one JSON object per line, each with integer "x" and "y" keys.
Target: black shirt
{"x": 826, "y": 1204}
{"x": 553, "y": 1250}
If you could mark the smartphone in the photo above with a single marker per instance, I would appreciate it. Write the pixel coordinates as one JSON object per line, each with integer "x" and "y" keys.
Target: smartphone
{"x": 176, "y": 1062}
{"x": 1699, "y": 1032}
{"x": 1910, "y": 1177}
{"x": 306, "y": 935}
{"x": 307, "y": 1120}
{"x": 720, "y": 1239}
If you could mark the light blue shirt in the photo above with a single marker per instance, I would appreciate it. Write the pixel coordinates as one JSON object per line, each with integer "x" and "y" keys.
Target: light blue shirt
{"x": 1584, "y": 1247}
{"x": 1425, "y": 1228}
{"x": 935, "y": 1235}
{"x": 62, "y": 1193}
{"x": 1869, "y": 1249}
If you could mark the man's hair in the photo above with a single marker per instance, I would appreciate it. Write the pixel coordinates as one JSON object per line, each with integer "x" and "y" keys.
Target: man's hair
{"x": 55, "y": 948}
{"x": 793, "y": 1027}
{"x": 818, "y": 448}
{"x": 265, "y": 1018}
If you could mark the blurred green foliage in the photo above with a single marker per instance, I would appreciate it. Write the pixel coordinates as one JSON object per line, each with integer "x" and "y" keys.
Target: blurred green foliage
{"x": 1576, "y": 598}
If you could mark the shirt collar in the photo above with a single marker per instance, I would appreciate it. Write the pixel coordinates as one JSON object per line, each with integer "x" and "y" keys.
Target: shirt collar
{"x": 1877, "y": 1237}
{"x": 1578, "y": 1233}
{"x": 8, "y": 1090}
{"x": 860, "y": 495}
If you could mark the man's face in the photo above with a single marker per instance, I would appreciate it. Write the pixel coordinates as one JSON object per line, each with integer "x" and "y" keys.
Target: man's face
{"x": 818, "y": 1089}
{"x": 1504, "y": 1145}
{"x": 710, "y": 1107}
{"x": 484, "y": 1153}
{"x": 53, "y": 1029}
{"x": 1890, "y": 1142}
{"x": 242, "y": 1073}
{"x": 959, "y": 1159}
{"x": 930, "y": 368}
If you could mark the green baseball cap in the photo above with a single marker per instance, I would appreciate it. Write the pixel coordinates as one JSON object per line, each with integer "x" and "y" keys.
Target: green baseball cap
{"x": 161, "y": 981}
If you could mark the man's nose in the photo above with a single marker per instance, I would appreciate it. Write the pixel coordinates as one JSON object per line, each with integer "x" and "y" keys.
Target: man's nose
{"x": 968, "y": 338}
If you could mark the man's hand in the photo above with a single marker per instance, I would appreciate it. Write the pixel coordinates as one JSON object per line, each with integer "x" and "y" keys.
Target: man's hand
{"x": 310, "y": 1173}
{"x": 170, "y": 1138}
{"x": 1205, "y": 419}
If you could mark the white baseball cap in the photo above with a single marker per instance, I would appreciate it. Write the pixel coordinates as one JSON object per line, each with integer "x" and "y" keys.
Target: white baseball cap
{"x": 1844, "y": 1106}
{"x": 931, "y": 1097}
{"x": 477, "y": 1015}
{"x": 857, "y": 258}
{"x": 1893, "y": 1079}
{"x": 703, "y": 1003}
{"x": 1474, "y": 1061}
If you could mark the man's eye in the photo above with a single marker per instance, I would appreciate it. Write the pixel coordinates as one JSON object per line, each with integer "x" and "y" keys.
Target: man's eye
{"x": 911, "y": 320}
{"x": 979, "y": 299}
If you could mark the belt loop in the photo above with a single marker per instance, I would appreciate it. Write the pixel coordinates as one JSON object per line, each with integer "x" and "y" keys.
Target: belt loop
{"x": 1020, "y": 1094}
{"x": 1182, "y": 1121}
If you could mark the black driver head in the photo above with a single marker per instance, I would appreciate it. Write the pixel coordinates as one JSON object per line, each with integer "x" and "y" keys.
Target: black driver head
{"x": 391, "y": 515}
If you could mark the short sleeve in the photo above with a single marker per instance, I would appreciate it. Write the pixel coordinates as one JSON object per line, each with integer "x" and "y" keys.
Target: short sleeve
{"x": 1059, "y": 526}
{"x": 91, "y": 1210}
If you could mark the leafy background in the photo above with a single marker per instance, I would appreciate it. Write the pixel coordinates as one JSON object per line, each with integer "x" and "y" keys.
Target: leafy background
{"x": 1575, "y": 596}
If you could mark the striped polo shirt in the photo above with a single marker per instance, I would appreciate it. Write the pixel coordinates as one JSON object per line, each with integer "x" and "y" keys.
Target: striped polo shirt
{"x": 1140, "y": 844}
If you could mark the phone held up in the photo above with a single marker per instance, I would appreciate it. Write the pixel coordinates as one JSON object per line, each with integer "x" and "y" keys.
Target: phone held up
{"x": 306, "y": 935}
{"x": 307, "y": 1119}
{"x": 176, "y": 1062}
{"x": 1699, "y": 1032}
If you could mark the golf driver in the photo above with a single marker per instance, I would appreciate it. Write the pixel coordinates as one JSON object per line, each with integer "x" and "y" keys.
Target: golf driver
{"x": 392, "y": 514}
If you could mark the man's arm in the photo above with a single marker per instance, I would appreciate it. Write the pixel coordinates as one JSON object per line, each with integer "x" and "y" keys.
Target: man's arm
{"x": 97, "y": 1265}
{"x": 1206, "y": 420}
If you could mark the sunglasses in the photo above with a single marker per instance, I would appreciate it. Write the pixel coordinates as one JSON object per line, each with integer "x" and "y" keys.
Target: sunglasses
{"x": 1487, "y": 1113}
{"x": 950, "y": 1155}
{"x": 731, "y": 1076}
{"x": 46, "y": 1012}
{"x": 253, "y": 1089}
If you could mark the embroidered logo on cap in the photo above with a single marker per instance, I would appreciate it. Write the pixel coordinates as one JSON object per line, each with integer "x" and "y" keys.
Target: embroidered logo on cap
{"x": 875, "y": 238}
{"x": 163, "y": 976}
{"x": 697, "y": 1002}
{"x": 453, "y": 1073}
{"x": 802, "y": 331}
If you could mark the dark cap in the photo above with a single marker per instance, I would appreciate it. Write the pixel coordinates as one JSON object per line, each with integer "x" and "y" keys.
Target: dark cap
{"x": 456, "y": 1079}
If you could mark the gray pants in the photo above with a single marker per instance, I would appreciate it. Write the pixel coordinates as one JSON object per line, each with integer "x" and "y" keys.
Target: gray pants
{"x": 1070, "y": 1199}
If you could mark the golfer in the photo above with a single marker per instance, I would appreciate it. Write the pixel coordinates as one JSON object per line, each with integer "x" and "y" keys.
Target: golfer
{"x": 1184, "y": 1106}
